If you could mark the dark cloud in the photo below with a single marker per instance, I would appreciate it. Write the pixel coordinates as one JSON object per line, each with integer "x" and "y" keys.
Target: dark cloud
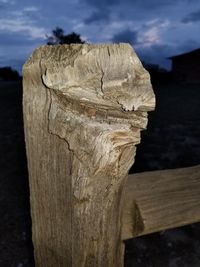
{"x": 188, "y": 45}
{"x": 135, "y": 3}
{"x": 156, "y": 54}
{"x": 3, "y": 7}
{"x": 15, "y": 39}
{"x": 150, "y": 3}
{"x": 14, "y": 62}
{"x": 98, "y": 16}
{"x": 102, "y": 3}
{"x": 126, "y": 36}
{"x": 192, "y": 17}
{"x": 104, "y": 8}
{"x": 159, "y": 54}
{"x": 17, "y": 64}
{"x": 15, "y": 48}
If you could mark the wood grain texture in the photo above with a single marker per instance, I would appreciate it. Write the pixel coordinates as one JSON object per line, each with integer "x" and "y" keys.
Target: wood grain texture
{"x": 84, "y": 108}
{"x": 161, "y": 200}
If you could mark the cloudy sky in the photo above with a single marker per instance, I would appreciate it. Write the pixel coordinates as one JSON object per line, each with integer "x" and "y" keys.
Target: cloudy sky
{"x": 157, "y": 29}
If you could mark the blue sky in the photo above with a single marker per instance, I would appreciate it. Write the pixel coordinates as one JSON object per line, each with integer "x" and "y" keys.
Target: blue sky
{"x": 157, "y": 29}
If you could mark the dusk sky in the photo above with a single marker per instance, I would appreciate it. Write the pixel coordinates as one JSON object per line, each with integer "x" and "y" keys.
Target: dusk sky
{"x": 157, "y": 29}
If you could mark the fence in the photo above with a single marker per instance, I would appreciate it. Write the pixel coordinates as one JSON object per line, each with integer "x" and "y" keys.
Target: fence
{"x": 84, "y": 108}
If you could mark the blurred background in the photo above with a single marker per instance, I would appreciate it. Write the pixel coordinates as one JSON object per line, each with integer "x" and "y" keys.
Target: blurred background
{"x": 166, "y": 37}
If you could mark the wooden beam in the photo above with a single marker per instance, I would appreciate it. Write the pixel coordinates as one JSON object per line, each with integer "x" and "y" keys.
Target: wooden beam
{"x": 160, "y": 200}
{"x": 84, "y": 108}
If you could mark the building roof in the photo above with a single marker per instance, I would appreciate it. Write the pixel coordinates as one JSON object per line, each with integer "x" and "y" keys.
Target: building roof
{"x": 188, "y": 54}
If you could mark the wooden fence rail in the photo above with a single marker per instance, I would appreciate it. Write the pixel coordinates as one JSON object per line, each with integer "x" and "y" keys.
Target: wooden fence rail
{"x": 161, "y": 200}
{"x": 84, "y": 107}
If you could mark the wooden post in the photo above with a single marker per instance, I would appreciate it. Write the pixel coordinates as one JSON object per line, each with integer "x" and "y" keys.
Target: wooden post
{"x": 84, "y": 107}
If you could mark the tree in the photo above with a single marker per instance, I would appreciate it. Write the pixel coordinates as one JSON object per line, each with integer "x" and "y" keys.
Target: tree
{"x": 58, "y": 37}
{"x": 8, "y": 74}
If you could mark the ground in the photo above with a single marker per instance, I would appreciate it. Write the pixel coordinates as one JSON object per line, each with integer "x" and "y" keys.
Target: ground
{"x": 171, "y": 141}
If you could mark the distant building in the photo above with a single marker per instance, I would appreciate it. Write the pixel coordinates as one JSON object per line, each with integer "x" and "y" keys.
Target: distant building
{"x": 186, "y": 67}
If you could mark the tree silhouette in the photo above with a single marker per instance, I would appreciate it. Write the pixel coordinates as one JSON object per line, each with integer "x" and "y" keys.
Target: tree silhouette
{"x": 8, "y": 74}
{"x": 58, "y": 37}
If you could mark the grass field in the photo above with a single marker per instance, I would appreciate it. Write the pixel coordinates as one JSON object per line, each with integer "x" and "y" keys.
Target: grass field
{"x": 172, "y": 140}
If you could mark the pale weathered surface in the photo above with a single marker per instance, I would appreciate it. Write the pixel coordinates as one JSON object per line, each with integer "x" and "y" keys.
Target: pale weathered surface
{"x": 84, "y": 107}
{"x": 161, "y": 200}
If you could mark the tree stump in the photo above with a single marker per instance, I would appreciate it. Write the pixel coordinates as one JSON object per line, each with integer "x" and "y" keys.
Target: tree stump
{"x": 84, "y": 107}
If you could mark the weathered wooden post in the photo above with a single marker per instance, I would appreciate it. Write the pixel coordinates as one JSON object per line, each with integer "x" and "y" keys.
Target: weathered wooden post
{"x": 84, "y": 108}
